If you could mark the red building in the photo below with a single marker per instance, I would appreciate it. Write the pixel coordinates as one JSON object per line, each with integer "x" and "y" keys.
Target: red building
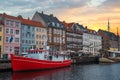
{"x": 73, "y": 37}
{"x": 109, "y": 40}
{"x": 56, "y": 32}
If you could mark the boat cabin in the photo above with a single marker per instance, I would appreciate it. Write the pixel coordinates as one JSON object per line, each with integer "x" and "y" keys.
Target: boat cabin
{"x": 46, "y": 55}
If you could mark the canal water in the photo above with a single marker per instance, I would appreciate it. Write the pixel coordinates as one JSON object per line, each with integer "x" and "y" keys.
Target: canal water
{"x": 75, "y": 72}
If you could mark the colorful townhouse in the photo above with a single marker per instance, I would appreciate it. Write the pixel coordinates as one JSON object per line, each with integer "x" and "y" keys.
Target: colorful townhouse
{"x": 1, "y": 36}
{"x": 32, "y": 34}
{"x": 56, "y": 32}
{"x": 110, "y": 40}
{"x": 92, "y": 42}
{"x": 40, "y": 36}
{"x": 73, "y": 37}
{"x": 11, "y": 35}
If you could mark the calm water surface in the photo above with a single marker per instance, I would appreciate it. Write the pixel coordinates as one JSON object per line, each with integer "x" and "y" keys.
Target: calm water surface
{"x": 75, "y": 72}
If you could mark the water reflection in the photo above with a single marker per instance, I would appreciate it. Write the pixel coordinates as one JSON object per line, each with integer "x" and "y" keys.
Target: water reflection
{"x": 75, "y": 72}
{"x": 56, "y": 74}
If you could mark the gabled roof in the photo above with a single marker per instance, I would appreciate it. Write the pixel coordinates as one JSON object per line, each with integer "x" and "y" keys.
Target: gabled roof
{"x": 22, "y": 20}
{"x": 30, "y": 22}
{"x": 51, "y": 21}
{"x": 68, "y": 26}
{"x": 90, "y": 31}
{"x": 111, "y": 35}
{"x": 48, "y": 18}
{"x": 9, "y": 16}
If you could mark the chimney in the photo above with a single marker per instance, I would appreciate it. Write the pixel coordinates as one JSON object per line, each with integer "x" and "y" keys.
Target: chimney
{"x": 85, "y": 27}
{"x": 42, "y": 12}
{"x": 51, "y": 15}
{"x": 64, "y": 22}
{"x": 19, "y": 16}
{"x": 28, "y": 18}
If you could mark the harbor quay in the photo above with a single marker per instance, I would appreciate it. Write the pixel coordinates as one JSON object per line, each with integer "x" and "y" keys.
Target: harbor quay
{"x": 5, "y": 64}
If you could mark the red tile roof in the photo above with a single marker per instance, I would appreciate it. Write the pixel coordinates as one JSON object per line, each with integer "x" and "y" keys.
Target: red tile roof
{"x": 23, "y": 21}
{"x": 30, "y": 22}
{"x": 68, "y": 26}
{"x": 90, "y": 31}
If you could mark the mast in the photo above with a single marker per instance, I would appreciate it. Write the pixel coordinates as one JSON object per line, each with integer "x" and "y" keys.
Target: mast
{"x": 118, "y": 39}
{"x": 108, "y": 26}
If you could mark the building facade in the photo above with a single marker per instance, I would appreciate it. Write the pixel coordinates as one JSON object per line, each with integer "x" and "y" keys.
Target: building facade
{"x": 92, "y": 42}
{"x": 33, "y": 35}
{"x": 1, "y": 39}
{"x": 40, "y": 36}
{"x": 27, "y": 35}
{"x": 55, "y": 31}
{"x": 109, "y": 40}
{"x": 73, "y": 37}
{"x": 12, "y": 34}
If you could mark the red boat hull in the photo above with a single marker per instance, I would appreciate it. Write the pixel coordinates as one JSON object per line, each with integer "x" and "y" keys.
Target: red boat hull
{"x": 25, "y": 64}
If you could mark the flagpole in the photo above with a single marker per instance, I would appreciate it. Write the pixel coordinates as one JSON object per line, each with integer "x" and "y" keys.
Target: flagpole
{"x": 11, "y": 39}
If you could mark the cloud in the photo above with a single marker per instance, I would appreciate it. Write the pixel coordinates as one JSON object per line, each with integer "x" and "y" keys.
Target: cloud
{"x": 94, "y": 3}
{"x": 28, "y": 7}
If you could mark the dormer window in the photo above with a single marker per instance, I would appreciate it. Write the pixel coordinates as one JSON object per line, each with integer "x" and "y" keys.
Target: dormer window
{"x": 58, "y": 25}
{"x": 53, "y": 24}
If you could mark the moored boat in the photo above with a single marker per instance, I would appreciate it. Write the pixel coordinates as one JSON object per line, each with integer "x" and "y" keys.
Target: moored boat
{"x": 36, "y": 59}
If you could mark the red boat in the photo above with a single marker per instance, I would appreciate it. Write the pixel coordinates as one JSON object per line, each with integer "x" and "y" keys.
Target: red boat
{"x": 39, "y": 60}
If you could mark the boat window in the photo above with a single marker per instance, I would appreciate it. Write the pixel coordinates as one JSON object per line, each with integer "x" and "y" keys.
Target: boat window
{"x": 56, "y": 56}
{"x": 50, "y": 57}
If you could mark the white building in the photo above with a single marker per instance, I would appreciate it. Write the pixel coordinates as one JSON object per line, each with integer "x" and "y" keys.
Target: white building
{"x": 92, "y": 42}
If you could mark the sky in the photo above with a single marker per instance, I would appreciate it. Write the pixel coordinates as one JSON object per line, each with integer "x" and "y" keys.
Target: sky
{"x": 91, "y": 13}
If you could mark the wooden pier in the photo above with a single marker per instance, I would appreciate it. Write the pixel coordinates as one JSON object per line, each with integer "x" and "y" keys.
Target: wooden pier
{"x": 5, "y": 65}
{"x": 85, "y": 60}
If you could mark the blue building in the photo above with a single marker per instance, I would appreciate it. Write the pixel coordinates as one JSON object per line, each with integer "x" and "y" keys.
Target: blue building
{"x": 28, "y": 35}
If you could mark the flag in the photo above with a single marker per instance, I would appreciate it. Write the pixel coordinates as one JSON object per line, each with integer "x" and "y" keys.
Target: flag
{"x": 11, "y": 39}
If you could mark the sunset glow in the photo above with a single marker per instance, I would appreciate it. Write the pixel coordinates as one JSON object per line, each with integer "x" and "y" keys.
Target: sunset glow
{"x": 91, "y": 13}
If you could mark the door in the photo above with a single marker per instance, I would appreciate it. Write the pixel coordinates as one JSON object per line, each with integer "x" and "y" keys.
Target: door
{"x": 16, "y": 50}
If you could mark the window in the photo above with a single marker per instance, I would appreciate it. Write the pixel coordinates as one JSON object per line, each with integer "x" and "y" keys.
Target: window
{"x": 7, "y": 49}
{"x": 36, "y": 42}
{"x": 33, "y": 35}
{"x": 11, "y": 49}
{"x": 40, "y": 36}
{"x": 54, "y": 39}
{"x": 37, "y": 36}
{"x": 40, "y": 42}
{"x": 0, "y": 38}
{"x": 17, "y": 40}
{"x": 17, "y": 32}
{"x": 11, "y": 31}
{"x": 0, "y": 29}
{"x": 7, "y": 30}
{"x": 22, "y": 41}
{"x": 22, "y": 34}
{"x": 12, "y": 23}
{"x": 7, "y": 22}
{"x": 29, "y": 42}
{"x": 33, "y": 29}
{"x": 37, "y": 30}
{"x": 7, "y": 39}
{"x": 17, "y": 24}
{"x": 50, "y": 31}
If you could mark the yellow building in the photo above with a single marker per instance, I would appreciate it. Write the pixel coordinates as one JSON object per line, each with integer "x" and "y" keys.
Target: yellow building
{"x": 1, "y": 39}
{"x": 41, "y": 37}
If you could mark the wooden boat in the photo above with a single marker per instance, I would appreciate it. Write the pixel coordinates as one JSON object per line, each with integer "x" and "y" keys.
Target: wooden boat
{"x": 38, "y": 60}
